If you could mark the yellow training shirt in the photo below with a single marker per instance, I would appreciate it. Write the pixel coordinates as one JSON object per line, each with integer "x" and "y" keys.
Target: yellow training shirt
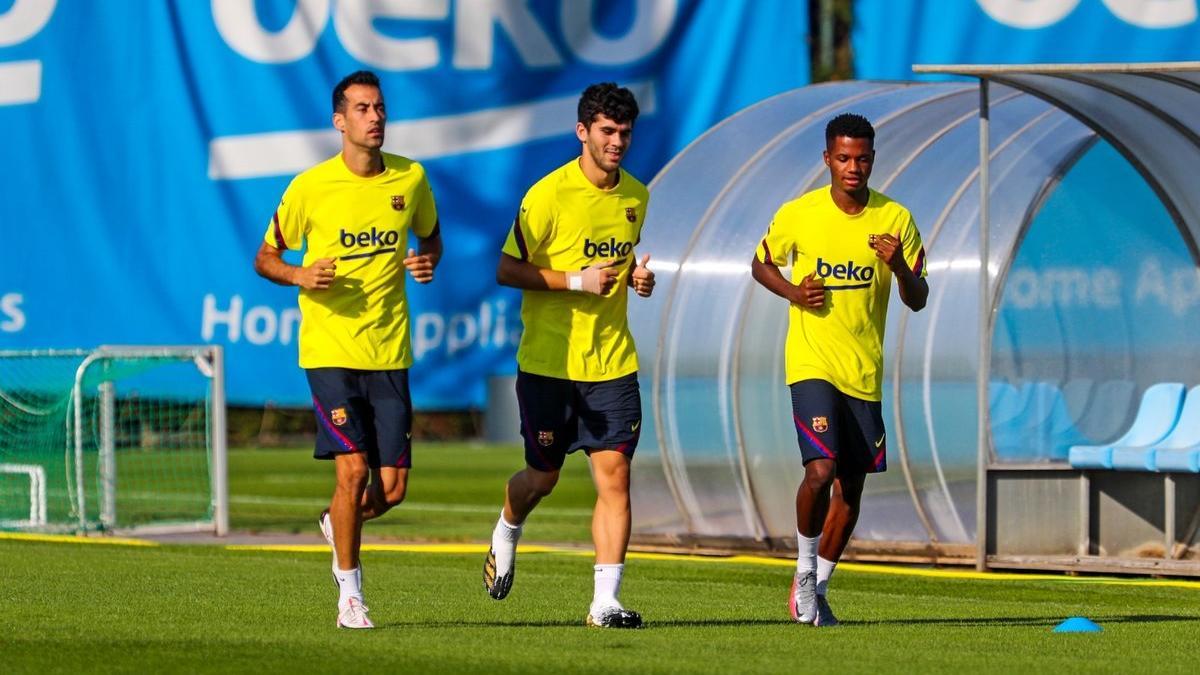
{"x": 567, "y": 224}
{"x": 841, "y": 343}
{"x": 361, "y": 321}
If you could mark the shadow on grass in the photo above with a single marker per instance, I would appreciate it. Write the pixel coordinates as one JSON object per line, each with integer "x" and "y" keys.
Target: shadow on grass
{"x": 1025, "y": 620}
{"x": 723, "y": 623}
{"x": 570, "y": 623}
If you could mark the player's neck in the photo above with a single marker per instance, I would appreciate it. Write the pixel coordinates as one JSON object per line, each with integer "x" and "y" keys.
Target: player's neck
{"x": 851, "y": 203}
{"x": 364, "y": 162}
{"x": 605, "y": 180}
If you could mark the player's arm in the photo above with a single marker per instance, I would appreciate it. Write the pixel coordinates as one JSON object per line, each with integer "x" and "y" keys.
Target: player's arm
{"x": 269, "y": 264}
{"x": 422, "y": 261}
{"x": 914, "y": 290}
{"x": 809, "y": 293}
{"x": 516, "y": 273}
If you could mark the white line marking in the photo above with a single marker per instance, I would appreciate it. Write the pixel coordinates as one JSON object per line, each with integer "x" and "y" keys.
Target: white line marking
{"x": 20, "y": 82}
{"x": 290, "y": 152}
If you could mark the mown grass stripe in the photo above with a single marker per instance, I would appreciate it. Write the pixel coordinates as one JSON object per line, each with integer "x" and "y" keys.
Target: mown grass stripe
{"x": 737, "y": 559}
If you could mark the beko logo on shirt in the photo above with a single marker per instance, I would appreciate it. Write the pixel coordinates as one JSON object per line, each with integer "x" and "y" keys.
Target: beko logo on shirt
{"x": 607, "y": 249}
{"x": 845, "y": 272}
{"x": 371, "y": 237}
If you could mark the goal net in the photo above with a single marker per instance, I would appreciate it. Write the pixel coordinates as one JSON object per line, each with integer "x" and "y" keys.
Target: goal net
{"x": 115, "y": 439}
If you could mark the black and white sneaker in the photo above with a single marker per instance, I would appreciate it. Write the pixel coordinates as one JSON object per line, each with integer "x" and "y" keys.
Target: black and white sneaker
{"x": 498, "y": 582}
{"x": 614, "y": 617}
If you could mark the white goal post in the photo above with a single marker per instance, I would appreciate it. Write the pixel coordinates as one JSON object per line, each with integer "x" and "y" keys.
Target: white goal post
{"x": 121, "y": 439}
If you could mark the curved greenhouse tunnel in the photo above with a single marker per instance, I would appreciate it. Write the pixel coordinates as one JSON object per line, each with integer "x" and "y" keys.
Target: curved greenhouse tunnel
{"x": 1078, "y": 270}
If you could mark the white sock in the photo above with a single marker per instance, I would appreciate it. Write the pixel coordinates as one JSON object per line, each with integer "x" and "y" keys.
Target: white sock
{"x": 806, "y": 557}
{"x": 608, "y": 585}
{"x": 504, "y": 543}
{"x": 349, "y": 585}
{"x": 824, "y": 571}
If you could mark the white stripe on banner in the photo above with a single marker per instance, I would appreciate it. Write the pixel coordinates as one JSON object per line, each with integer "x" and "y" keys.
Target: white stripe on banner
{"x": 20, "y": 82}
{"x": 290, "y": 152}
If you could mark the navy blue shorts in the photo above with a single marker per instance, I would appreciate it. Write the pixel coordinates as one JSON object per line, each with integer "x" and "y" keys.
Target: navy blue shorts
{"x": 363, "y": 411}
{"x": 833, "y": 425}
{"x": 561, "y": 416}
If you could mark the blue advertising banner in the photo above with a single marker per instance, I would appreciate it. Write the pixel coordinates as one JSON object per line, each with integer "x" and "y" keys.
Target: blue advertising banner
{"x": 146, "y": 145}
{"x": 889, "y": 36}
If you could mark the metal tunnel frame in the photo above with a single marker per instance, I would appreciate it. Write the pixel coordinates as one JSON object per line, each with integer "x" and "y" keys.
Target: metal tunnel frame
{"x": 714, "y": 469}
{"x": 1068, "y": 87}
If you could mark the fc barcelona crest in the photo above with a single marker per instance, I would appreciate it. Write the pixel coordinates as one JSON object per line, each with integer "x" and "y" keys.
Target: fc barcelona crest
{"x": 545, "y": 438}
{"x": 398, "y": 202}
{"x": 338, "y": 416}
{"x": 631, "y": 214}
{"x": 820, "y": 424}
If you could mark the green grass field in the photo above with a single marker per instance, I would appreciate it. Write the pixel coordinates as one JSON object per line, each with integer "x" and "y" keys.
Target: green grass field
{"x": 71, "y": 607}
{"x": 455, "y": 493}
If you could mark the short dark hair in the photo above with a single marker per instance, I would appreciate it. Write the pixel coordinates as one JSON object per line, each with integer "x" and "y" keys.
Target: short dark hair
{"x": 850, "y": 126}
{"x": 606, "y": 98}
{"x": 357, "y": 77}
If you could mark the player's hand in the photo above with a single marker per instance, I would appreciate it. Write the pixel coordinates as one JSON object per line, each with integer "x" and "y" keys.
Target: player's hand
{"x": 317, "y": 276}
{"x": 810, "y": 292}
{"x": 598, "y": 278}
{"x": 642, "y": 278}
{"x": 888, "y": 249}
{"x": 420, "y": 266}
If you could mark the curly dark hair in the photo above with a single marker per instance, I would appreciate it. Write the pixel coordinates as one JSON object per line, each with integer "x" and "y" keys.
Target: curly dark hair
{"x": 357, "y": 77}
{"x": 850, "y": 126}
{"x": 606, "y": 98}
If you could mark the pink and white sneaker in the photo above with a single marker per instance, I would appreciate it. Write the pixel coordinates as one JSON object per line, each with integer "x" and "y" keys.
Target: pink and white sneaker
{"x": 353, "y": 614}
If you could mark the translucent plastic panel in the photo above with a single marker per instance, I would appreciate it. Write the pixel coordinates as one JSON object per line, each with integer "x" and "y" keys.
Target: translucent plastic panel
{"x": 1101, "y": 302}
{"x": 718, "y": 456}
{"x": 1156, "y": 124}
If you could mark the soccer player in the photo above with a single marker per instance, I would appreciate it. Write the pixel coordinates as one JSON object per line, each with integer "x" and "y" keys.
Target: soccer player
{"x": 845, "y": 243}
{"x": 352, "y": 214}
{"x": 571, "y": 252}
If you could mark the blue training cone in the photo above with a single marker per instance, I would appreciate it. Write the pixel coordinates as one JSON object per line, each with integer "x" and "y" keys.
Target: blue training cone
{"x": 1078, "y": 624}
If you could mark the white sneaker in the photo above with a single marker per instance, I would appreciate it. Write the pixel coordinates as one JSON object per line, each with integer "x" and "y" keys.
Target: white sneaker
{"x": 802, "y": 601}
{"x": 353, "y": 615}
{"x": 326, "y": 524}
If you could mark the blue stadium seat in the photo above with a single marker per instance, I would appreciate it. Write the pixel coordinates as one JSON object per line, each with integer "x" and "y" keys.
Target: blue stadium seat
{"x": 1181, "y": 450}
{"x": 1109, "y": 410}
{"x": 1006, "y": 403}
{"x": 1035, "y": 423}
{"x": 1008, "y": 410}
{"x": 1185, "y": 435}
{"x": 1156, "y": 417}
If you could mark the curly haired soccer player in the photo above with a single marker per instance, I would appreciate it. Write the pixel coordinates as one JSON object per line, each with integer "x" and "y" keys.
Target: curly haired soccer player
{"x": 353, "y": 213}
{"x": 571, "y": 252}
{"x": 845, "y": 243}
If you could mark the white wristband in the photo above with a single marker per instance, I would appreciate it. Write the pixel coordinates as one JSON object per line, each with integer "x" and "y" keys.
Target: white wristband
{"x": 574, "y": 281}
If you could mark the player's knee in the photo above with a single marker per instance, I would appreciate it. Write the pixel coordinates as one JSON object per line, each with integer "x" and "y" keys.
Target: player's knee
{"x": 819, "y": 474}
{"x": 541, "y": 483}
{"x": 352, "y": 475}
{"x": 849, "y": 489}
{"x": 395, "y": 494}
